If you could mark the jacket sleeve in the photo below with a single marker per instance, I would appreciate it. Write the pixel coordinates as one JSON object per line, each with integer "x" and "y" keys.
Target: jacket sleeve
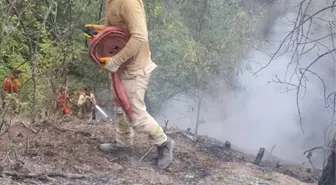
{"x": 133, "y": 13}
{"x": 81, "y": 100}
{"x": 93, "y": 98}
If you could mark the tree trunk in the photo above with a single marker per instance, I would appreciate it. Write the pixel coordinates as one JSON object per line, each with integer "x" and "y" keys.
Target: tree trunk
{"x": 328, "y": 176}
{"x": 198, "y": 122}
{"x": 34, "y": 89}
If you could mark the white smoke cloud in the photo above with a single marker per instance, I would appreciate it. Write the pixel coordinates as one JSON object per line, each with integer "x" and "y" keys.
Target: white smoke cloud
{"x": 264, "y": 114}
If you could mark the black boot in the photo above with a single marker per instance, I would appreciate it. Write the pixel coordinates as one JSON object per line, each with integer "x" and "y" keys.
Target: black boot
{"x": 165, "y": 154}
{"x": 114, "y": 148}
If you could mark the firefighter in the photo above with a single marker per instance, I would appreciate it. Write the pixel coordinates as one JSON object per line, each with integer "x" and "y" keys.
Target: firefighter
{"x": 130, "y": 14}
{"x": 86, "y": 102}
{"x": 62, "y": 100}
{"x": 9, "y": 93}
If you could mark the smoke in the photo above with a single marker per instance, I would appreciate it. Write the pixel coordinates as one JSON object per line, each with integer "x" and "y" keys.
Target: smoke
{"x": 264, "y": 114}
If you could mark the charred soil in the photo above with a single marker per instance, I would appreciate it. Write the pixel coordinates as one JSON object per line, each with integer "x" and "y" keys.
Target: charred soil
{"x": 67, "y": 153}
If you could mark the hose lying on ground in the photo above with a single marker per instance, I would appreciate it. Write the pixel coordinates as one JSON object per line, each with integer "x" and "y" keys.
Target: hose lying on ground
{"x": 107, "y": 43}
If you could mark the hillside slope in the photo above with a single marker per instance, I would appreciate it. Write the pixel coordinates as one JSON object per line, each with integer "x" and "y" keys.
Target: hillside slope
{"x": 54, "y": 153}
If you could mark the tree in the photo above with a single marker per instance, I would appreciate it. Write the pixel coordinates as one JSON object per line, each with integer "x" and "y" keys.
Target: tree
{"x": 310, "y": 19}
{"x": 197, "y": 42}
{"x": 44, "y": 38}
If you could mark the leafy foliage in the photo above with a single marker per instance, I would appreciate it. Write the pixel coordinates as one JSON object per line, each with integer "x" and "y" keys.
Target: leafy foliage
{"x": 193, "y": 42}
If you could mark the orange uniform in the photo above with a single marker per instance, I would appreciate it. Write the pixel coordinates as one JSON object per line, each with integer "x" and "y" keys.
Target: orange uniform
{"x": 9, "y": 94}
{"x": 61, "y": 103}
{"x": 10, "y": 85}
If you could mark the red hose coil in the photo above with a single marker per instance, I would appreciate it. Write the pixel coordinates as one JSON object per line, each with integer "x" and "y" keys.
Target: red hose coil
{"x": 108, "y": 43}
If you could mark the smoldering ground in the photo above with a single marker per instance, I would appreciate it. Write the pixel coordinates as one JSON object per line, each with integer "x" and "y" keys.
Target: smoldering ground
{"x": 264, "y": 114}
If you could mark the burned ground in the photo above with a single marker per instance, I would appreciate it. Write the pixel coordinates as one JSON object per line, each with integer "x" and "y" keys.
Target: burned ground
{"x": 67, "y": 153}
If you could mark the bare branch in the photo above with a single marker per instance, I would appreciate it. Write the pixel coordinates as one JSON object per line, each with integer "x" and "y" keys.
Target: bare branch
{"x": 290, "y": 34}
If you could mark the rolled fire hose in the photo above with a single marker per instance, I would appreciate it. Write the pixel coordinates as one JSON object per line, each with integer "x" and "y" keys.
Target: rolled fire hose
{"x": 107, "y": 43}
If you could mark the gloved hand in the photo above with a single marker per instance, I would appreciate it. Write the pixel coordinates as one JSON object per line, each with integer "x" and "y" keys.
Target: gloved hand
{"x": 109, "y": 64}
{"x": 95, "y": 27}
{"x": 87, "y": 98}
